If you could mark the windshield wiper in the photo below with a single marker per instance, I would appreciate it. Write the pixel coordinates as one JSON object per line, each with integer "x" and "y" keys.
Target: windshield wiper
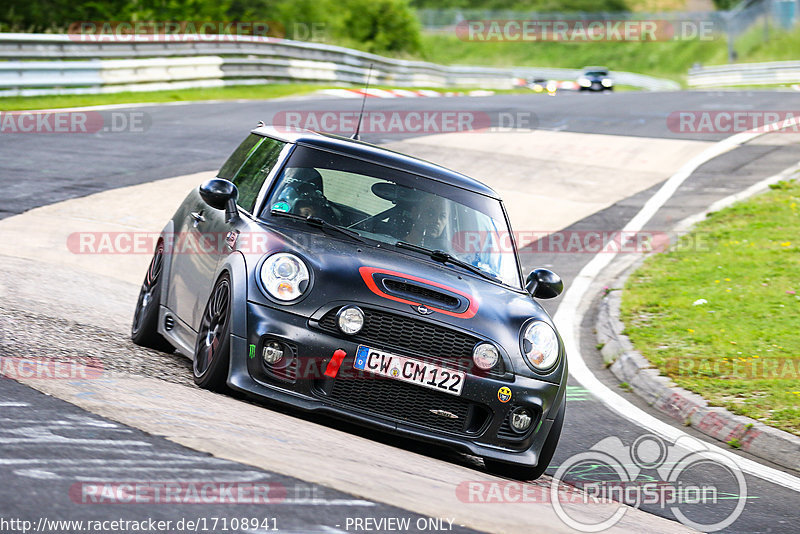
{"x": 319, "y": 223}
{"x": 444, "y": 257}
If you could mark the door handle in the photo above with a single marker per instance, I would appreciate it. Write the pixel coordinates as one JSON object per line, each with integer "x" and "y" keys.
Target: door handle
{"x": 198, "y": 217}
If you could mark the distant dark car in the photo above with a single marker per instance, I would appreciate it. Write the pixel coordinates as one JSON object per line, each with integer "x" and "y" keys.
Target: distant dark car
{"x": 342, "y": 278}
{"x": 595, "y": 79}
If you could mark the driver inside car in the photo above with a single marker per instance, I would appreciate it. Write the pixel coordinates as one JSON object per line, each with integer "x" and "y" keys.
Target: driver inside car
{"x": 303, "y": 194}
{"x": 305, "y": 208}
{"x": 429, "y": 223}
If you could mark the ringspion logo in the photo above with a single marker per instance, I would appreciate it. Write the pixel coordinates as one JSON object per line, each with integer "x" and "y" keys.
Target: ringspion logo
{"x": 703, "y": 489}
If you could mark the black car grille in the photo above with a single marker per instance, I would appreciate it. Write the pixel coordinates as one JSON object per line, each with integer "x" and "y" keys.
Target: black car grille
{"x": 407, "y": 403}
{"x": 415, "y": 337}
{"x": 421, "y": 293}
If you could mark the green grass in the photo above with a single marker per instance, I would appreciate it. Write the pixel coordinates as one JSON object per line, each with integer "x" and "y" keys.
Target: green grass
{"x": 740, "y": 348}
{"x": 781, "y": 46}
{"x": 663, "y": 59}
{"x": 255, "y": 92}
{"x": 241, "y": 92}
{"x": 671, "y": 59}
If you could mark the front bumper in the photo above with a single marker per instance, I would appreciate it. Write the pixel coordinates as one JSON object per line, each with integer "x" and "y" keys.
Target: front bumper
{"x": 481, "y": 426}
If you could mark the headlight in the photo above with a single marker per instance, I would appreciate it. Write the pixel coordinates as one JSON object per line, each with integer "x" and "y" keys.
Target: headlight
{"x": 540, "y": 345}
{"x": 284, "y": 276}
{"x": 350, "y": 319}
{"x": 485, "y": 356}
{"x": 584, "y": 82}
{"x": 607, "y": 82}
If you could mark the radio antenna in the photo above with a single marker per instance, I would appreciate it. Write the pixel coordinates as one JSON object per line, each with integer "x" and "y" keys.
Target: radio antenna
{"x": 356, "y": 137}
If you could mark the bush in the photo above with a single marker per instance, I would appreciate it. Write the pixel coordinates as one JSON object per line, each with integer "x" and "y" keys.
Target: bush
{"x": 551, "y": 6}
{"x": 380, "y": 26}
{"x": 373, "y": 25}
{"x": 57, "y": 15}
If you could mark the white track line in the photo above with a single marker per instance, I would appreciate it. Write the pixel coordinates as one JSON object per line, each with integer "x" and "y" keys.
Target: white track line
{"x": 570, "y": 314}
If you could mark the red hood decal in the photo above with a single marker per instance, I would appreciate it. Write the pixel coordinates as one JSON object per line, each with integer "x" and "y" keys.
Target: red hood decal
{"x": 367, "y": 272}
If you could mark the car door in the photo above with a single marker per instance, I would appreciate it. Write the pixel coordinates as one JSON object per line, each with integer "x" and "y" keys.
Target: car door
{"x": 201, "y": 240}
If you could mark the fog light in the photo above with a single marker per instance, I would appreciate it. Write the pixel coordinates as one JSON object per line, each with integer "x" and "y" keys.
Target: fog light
{"x": 485, "y": 356}
{"x": 272, "y": 353}
{"x": 350, "y": 320}
{"x": 521, "y": 420}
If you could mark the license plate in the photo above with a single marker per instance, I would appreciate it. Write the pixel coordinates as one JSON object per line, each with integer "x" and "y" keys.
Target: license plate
{"x": 409, "y": 370}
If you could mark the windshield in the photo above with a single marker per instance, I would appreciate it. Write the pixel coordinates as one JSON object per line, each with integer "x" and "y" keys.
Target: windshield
{"x": 596, "y": 73}
{"x": 393, "y": 206}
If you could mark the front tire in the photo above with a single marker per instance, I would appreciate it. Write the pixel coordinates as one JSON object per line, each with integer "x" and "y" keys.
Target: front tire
{"x": 212, "y": 350}
{"x": 144, "y": 328}
{"x": 525, "y": 472}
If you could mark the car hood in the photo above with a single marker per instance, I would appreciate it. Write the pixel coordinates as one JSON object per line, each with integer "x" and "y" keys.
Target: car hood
{"x": 345, "y": 271}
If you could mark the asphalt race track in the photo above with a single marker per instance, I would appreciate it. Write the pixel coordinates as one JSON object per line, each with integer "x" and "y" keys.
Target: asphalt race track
{"x": 47, "y": 446}
{"x": 187, "y": 138}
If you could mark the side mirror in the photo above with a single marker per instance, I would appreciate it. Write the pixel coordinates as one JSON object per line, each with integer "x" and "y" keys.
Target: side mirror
{"x": 221, "y": 195}
{"x": 544, "y": 284}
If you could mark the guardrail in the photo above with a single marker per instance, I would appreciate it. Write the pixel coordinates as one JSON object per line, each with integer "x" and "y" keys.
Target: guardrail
{"x": 772, "y": 73}
{"x": 38, "y": 64}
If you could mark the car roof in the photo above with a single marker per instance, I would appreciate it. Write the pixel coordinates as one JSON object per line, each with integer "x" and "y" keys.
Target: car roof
{"x": 376, "y": 154}
{"x": 605, "y": 69}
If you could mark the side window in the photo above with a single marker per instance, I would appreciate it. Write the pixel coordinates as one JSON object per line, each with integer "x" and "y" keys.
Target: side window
{"x": 239, "y": 156}
{"x": 249, "y": 166}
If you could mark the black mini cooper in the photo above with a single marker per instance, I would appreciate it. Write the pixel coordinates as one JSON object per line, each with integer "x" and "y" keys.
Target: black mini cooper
{"x": 339, "y": 277}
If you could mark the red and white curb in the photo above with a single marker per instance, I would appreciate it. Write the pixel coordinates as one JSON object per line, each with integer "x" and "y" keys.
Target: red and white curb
{"x": 548, "y": 85}
{"x": 398, "y": 93}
